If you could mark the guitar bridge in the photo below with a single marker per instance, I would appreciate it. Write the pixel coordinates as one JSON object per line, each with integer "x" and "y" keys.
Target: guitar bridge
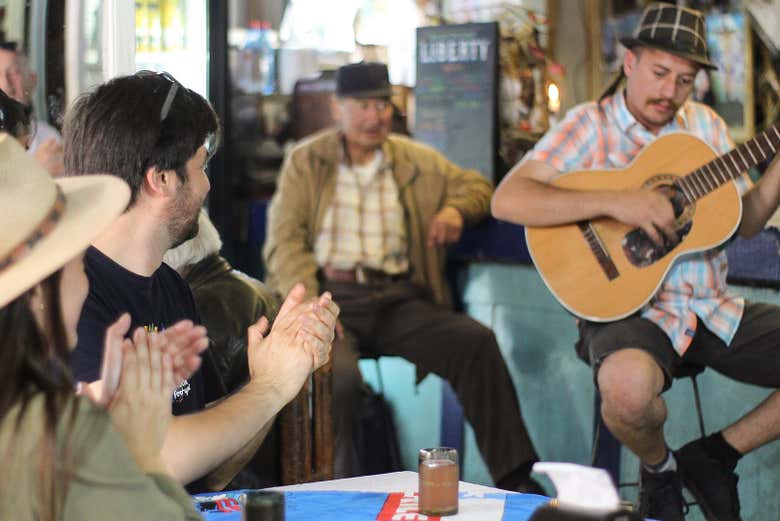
{"x": 599, "y": 251}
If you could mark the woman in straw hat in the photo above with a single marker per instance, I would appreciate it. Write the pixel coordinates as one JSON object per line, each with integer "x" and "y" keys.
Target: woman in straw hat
{"x": 63, "y": 457}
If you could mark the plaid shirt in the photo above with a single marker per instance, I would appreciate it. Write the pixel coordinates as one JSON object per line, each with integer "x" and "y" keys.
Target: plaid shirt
{"x": 365, "y": 223}
{"x": 606, "y": 135}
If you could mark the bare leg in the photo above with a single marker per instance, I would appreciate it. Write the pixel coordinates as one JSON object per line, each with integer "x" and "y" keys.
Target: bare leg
{"x": 630, "y": 382}
{"x": 758, "y": 427}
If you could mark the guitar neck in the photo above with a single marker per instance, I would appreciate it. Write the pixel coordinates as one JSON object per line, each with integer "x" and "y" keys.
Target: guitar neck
{"x": 727, "y": 167}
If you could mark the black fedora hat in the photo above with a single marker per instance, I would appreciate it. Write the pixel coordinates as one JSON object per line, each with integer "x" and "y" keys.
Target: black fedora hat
{"x": 363, "y": 80}
{"x": 674, "y": 29}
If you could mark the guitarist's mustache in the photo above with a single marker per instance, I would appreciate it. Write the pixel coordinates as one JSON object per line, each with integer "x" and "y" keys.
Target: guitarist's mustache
{"x": 665, "y": 101}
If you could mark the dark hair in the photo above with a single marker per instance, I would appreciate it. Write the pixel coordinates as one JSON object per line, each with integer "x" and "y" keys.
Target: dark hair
{"x": 36, "y": 361}
{"x": 14, "y": 116}
{"x": 116, "y": 129}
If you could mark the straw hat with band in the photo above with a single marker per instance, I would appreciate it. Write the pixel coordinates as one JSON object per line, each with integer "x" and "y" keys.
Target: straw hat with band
{"x": 46, "y": 223}
{"x": 675, "y": 29}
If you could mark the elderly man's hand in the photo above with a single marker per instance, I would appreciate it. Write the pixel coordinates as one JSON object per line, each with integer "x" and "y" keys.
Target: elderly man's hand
{"x": 297, "y": 344}
{"x": 446, "y": 227}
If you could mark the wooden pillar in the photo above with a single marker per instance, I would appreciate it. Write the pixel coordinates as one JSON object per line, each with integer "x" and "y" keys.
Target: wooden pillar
{"x": 594, "y": 15}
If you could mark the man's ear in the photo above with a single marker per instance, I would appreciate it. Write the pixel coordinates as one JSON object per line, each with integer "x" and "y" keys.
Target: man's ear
{"x": 160, "y": 183}
{"x": 629, "y": 61}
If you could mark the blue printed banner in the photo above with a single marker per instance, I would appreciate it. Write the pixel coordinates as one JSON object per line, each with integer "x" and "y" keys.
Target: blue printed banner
{"x": 373, "y": 506}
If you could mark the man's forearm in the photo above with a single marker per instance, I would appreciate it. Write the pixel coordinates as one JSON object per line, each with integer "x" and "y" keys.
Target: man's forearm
{"x": 221, "y": 476}
{"x": 198, "y": 443}
{"x": 533, "y": 203}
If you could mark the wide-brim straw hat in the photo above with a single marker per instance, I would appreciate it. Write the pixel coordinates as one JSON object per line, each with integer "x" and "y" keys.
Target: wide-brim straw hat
{"x": 44, "y": 223}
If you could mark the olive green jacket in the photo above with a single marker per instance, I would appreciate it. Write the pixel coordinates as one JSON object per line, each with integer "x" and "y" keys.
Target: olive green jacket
{"x": 96, "y": 477}
{"x": 427, "y": 182}
{"x": 228, "y": 302}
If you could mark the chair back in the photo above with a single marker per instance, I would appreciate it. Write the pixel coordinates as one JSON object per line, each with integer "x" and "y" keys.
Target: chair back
{"x": 306, "y": 425}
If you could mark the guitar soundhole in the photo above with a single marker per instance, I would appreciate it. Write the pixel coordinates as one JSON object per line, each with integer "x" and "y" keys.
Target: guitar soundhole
{"x": 641, "y": 251}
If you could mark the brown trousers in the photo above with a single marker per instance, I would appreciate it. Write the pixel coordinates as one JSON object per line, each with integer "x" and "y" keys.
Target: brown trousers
{"x": 393, "y": 319}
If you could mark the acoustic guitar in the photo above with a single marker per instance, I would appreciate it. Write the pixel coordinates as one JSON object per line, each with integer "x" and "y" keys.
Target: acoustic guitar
{"x": 604, "y": 270}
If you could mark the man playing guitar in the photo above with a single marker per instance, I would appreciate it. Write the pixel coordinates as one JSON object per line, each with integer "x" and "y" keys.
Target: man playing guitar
{"x": 692, "y": 318}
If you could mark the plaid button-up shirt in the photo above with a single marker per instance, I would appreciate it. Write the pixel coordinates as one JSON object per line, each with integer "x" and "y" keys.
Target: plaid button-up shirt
{"x": 365, "y": 223}
{"x": 606, "y": 135}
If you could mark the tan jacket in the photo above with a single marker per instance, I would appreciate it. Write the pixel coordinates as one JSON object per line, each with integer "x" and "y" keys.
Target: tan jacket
{"x": 427, "y": 182}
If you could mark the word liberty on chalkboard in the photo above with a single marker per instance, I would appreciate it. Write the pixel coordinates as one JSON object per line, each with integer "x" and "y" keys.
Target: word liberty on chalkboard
{"x": 456, "y": 93}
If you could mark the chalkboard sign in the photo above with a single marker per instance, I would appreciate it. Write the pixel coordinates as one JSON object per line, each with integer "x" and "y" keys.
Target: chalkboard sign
{"x": 455, "y": 96}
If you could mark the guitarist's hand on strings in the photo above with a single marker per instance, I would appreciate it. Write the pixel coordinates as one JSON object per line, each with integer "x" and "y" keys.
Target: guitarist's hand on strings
{"x": 650, "y": 210}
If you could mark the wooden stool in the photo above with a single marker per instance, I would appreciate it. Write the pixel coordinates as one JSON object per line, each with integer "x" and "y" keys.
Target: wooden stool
{"x": 306, "y": 430}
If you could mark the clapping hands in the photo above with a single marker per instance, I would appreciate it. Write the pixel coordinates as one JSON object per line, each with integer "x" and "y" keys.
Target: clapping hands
{"x": 183, "y": 342}
{"x": 298, "y": 343}
{"x": 138, "y": 378}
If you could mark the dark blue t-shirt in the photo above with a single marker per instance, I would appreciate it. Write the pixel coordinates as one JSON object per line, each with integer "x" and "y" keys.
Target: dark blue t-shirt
{"x": 155, "y": 303}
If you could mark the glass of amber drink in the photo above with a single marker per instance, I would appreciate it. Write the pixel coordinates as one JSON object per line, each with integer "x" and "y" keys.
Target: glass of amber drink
{"x": 438, "y": 489}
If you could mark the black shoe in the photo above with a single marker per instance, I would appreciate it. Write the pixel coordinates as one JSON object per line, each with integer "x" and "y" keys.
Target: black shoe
{"x": 530, "y": 486}
{"x": 660, "y": 496}
{"x": 712, "y": 484}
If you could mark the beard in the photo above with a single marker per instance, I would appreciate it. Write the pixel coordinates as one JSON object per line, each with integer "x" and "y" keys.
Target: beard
{"x": 184, "y": 224}
{"x": 185, "y": 232}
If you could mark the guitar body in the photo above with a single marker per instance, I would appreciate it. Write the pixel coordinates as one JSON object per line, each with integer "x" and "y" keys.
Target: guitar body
{"x": 566, "y": 259}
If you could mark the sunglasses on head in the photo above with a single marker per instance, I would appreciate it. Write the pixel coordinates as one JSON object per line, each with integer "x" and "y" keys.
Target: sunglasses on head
{"x": 210, "y": 143}
{"x": 172, "y": 90}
